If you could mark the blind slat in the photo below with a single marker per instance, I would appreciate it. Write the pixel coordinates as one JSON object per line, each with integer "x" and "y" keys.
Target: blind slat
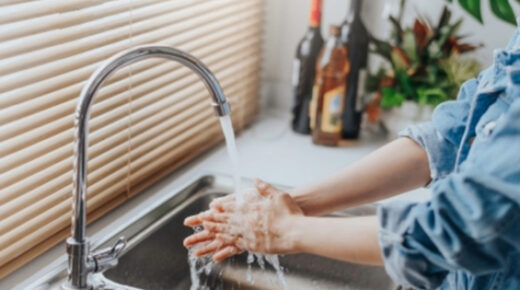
{"x": 176, "y": 35}
{"x": 23, "y": 11}
{"x": 78, "y": 23}
{"x": 53, "y": 45}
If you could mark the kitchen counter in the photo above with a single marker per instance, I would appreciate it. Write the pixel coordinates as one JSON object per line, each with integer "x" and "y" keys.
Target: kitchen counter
{"x": 268, "y": 149}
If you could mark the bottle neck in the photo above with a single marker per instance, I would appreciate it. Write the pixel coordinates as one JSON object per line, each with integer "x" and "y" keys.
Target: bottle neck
{"x": 355, "y": 9}
{"x": 315, "y": 16}
{"x": 356, "y": 6}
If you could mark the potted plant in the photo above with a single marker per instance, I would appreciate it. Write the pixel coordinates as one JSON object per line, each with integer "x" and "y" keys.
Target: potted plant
{"x": 425, "y": 67}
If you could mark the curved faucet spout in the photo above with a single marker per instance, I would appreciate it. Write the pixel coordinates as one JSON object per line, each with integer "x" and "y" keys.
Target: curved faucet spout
{"x": 77, "y": 245}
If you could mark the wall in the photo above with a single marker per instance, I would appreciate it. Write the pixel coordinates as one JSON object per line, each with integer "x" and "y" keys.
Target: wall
{"x": 286, "y": 23}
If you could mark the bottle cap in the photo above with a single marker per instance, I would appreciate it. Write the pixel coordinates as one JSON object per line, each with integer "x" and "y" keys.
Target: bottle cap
{"x": 315, "y": 19}
{"x": 335, "y": 30}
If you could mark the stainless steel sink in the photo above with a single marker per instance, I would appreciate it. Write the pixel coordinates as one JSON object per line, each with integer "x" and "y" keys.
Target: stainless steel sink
{"x": 156, "y": 259}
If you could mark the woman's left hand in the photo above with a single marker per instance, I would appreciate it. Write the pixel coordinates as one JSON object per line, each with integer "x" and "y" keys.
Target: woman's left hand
{"x": 260, "y": 223}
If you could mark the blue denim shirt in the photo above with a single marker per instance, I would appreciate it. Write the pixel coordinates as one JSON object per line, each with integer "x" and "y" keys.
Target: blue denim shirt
{"x": 468, "y": 235}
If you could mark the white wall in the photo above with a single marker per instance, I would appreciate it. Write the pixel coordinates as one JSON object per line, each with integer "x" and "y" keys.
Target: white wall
{"x": 286, "y": 23}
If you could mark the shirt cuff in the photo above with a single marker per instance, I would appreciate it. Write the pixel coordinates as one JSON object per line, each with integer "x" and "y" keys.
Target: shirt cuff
{"x": 407, "y": 266}
{"x": 441, "y": 153}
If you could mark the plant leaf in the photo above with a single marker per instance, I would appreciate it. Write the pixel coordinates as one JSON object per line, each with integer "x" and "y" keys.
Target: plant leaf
{"x": 473, "y": 7}
{"x": 503, "y": 10}
{"x": 422, "y": 34}
{"x": 399, "y": 59}
{"x": 391, "y": 98}
{"x": 398, "y": 30}
{"x": 405, "y": 83}
{"x": 431, "y": 96}
{"x": 445, "y": 18}
{"x": 382, "y": 48}
{"x": 410, "y": 45}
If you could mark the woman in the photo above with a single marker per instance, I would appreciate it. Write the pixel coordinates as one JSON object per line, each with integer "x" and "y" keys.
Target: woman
{"x": 466, "y": 237}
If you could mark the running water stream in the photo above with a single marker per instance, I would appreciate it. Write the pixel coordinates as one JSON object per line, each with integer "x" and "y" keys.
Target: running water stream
{"x": 229, "y": 135}
{"x": 197, "y": 266}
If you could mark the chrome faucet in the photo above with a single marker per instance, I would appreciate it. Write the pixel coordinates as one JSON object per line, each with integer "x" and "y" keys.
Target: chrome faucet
{"x": 81, "y": 261}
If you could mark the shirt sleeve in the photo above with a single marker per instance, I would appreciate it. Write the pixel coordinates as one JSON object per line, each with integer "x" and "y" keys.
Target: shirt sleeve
{"x": 472, "y": 222}
{"x": 441, "y": 137}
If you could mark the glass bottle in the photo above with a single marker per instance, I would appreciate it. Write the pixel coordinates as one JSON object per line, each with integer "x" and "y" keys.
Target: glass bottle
{"x": 329, "y": 91}
{"x": 304, "y": 69}
{"x": 355, "y": 37}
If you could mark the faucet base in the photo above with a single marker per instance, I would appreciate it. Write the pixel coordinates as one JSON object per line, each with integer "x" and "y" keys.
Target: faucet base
{"x": 79, "y": 264}
{"x": 68, "y": 286}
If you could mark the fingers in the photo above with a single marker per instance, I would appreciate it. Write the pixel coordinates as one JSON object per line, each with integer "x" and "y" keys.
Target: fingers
{"x": 198, "y": 219}
{"x": 265, "y": 189}
{"x": 200, "y": 237}
{"x": 208, "y": 215}
{"x": 216, "y": 204}
{"x": 233, "y": 240}
{"x": 216, "y": 227}
{"x": 209, "y": 248}
{"x": 223, "y": 244}
{"x": 193, "y": 221}
{"x": 225, "y": 253}
{"x": 227, "y": 239}
{"x": 221, "y": 217}
{"x": 224, "y": 206}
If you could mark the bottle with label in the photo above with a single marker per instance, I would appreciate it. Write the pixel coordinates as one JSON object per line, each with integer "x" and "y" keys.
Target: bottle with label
{"x": 355, "y": 37}
{"x": 304, "y": 66}
{"x": 329, "y": 91}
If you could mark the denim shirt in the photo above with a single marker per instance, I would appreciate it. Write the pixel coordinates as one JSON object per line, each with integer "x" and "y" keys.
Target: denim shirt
{"x": 468, "y": 235}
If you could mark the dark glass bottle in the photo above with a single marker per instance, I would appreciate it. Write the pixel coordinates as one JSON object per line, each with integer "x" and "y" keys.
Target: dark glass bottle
{"x": 329, "y": 91}
{"x": 304, "y": 69}
{"x": 355, "y": 37}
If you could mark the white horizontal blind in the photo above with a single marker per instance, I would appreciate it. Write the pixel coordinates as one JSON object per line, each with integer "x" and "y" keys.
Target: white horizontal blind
{"x": 148, "y": 119}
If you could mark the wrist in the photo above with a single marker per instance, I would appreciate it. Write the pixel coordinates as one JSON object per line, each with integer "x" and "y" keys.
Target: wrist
{"x": 292, "y": 230}
{"x": 304, "y": 200}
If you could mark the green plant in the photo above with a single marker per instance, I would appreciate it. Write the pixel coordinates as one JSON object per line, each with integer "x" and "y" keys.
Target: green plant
{"x": 501, "y": 8}
{"x": 426, "y": 62}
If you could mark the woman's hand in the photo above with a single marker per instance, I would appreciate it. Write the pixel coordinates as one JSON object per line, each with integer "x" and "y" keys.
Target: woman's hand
{"x": 260, "y": 223}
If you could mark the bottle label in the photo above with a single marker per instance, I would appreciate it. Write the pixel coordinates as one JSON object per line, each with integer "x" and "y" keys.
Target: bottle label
{"x": 332, "y": 109}
{"x": 313, "y": 107}
{"x": 315, "y": 18}
{"x": 296, "y": 72}
{"x": 360, "y": 96}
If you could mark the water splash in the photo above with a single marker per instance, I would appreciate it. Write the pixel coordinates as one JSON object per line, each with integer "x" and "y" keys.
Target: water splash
{"x": 275, "y": 262}
{"x": 194, "y": 275}
{"x": 197, "y": 266}
{"x": 261, "y": 260}
{"x": 249, "y": 273}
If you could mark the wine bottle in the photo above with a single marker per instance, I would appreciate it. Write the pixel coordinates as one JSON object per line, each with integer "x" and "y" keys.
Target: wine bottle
{"x": 329, "y": 91}
{"x": 304, "y": 66}
{"x": 355, "y": 37}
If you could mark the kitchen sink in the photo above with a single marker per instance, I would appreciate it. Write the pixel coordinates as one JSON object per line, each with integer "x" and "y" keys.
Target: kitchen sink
{"x": 156, "y": 259}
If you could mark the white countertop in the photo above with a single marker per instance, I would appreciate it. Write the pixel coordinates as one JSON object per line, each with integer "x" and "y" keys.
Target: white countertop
{"x": 268, "y": 149}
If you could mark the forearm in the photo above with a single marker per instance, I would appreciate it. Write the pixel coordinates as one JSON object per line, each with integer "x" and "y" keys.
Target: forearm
{"x": 349, "y": 239}
{"x": 400, "y": 166}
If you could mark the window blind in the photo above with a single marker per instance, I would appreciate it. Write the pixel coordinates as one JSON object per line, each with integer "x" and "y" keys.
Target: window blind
{"x": 148, "y": 119}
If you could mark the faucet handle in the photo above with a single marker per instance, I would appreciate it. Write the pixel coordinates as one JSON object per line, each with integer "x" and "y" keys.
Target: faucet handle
{"x": 105, "y": 259}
